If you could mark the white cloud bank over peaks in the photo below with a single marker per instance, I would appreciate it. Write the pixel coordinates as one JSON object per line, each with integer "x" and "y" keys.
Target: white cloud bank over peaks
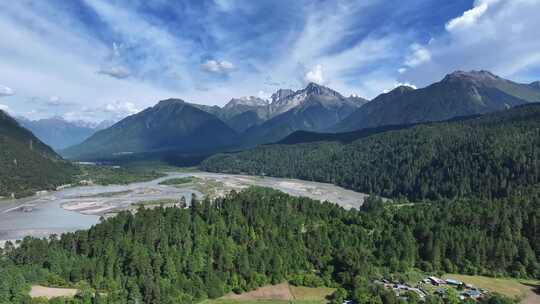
{"x": 496, "y": 35}
{"x": 215, "y": 66}
{"x": 316, "y": 75}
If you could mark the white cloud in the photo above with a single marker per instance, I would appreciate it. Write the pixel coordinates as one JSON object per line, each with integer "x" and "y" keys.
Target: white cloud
{"x": 215, "y": 66}
{"x": 119, "y": 72}
{"x": 119, "y": 108}
{"x": 83, "y": 115}
{"x": 264, "y": 95}
{"x": 114, "y": 111}
{"x": 224, "y": 5}
{"x": 66, "y": 60}
{"x": 471, "y": 16}
{"x": 55, "y": 101}
{"x": 327, "y": 25}
{"x": 4, "y": 107}
{"x": 418, "y": 55}
{"x": 73, "y": 61}
{"x": 405, "y": 84}
{"x": 113, "y": 67}
{"x": 316, "y": 75}
{"x": 6, "y": 91}
{"x": 400, "y": 84}
{"x": 497, "y": 35}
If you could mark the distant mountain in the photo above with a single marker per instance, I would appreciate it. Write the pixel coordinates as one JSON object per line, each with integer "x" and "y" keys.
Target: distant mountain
{"x": 171, "y": 125}
{"x": 281, "y": 102}
{"x": 246, "y": 112}
{"x": 240, "y": 113}
{"x": 535, "y": 85}
{"x": 93, "y": 125}
{"x": 214, "y": 110}
{"x": 314, "y": 108}
{"x": 244, "y": 104}
{"x": 245, "y": 121}
{"x": 281, "y": 94}
{"x": 57, "y": 132}
{"x": 26, "y": 163}
{"x": 458, "y": 94}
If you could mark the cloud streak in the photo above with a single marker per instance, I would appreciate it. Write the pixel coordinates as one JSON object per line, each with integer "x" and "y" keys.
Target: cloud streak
{"x": 111, "y": 58}
{"x": 118, "y": 72}
{"x": 220, "y": 67}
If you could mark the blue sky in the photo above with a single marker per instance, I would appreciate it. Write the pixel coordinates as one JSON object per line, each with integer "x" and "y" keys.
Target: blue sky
{"x": 97, "y": 59}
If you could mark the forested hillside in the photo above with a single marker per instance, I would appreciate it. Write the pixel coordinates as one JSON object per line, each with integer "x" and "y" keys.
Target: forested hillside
{"x": 171, "y": 126}
{"x": 27, "y": 164}
{"x": 488, "y": 156}
{"x": 262, "y": 236}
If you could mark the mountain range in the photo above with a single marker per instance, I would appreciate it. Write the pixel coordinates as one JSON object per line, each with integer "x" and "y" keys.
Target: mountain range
{"x": 59, "y": 133}
{"x": 458, "y": 94}
{"x": 490, "y": 155}
{"x": 27, "y": 164}
{"x": 176, "y": 125}
{"x": 175, "y": 128}
{"x": 315, "y": 108}
{"x": 171, "y": 125}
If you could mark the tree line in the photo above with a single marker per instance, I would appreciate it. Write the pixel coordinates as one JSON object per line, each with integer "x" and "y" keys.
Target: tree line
{"x": 489, "y": 157}
{"x": 261, "y": 236}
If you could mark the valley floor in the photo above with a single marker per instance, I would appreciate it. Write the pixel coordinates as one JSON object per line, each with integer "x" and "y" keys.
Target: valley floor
{"x": 80, "y": 207}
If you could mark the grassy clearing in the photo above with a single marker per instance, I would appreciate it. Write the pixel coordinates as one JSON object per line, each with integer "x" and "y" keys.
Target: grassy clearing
{"x": 107, "y": 175}
{"x": 156, "y": 165}
{"x": 180, "y": 169}
{"x": 210, "y": 188}
{"x": 508, "y": 287}
{"x": 180, "y": 181}
{"x": 314, "y": 295}
{"x": 223, "y": 301}
{"x": 298, "y": 295}
{"x": 159, "y": 202}
{"x": 226, "y": 301}
{"x": 39, "y": 291}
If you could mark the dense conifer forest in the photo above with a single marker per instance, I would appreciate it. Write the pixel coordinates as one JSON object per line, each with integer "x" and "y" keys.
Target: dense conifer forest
{"x": 483, "y": 219}
{"x": 261, "y": 236}
{"x": 489, "y": 156}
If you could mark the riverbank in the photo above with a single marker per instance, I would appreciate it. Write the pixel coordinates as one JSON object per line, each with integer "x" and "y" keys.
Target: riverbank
{"x": 80, "y": 207}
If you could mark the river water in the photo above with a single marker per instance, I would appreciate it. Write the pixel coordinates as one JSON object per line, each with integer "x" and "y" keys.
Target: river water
{"x": 81, "y": 207}
{"x": 44, "y": 214}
